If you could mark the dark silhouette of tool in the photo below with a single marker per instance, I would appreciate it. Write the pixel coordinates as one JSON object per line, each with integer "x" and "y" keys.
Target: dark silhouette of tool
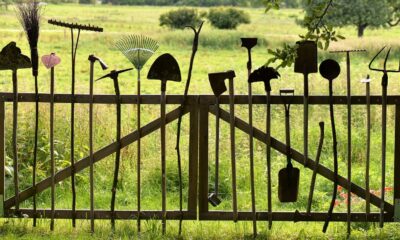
{"x": 165, "y": 68}
{"x": 265, "y": 75}
{"x": 50, "y": 61}
{"x": 330, "y": 69}
{"x": 385, "y": 83}
{"x": 288, "y": 188}
{"x": 217, "y": 81}
{"x": 249, "y": 43}
{"x": 114, "y": 76}
{"x": 306, "y": 62}
{"x": 367, "y": 82}
{"x": 12, "y": 59}
{"x": 92, "y": 59}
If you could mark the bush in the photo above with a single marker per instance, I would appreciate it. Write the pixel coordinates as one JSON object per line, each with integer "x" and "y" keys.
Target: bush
{"x": 227, "y": 18}
{"x": 180, "y": 18}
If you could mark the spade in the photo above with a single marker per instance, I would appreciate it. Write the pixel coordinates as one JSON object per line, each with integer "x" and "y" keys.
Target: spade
{"x": 289, "y": 176}
{"x": 165, "y": 68}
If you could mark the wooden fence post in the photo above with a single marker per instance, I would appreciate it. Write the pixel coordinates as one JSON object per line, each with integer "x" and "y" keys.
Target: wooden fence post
{"x": 396, "y": 182}
{"x": 203, "y": 160}
{"x": 193, "y": 159}
{"x": 2, "y": 158}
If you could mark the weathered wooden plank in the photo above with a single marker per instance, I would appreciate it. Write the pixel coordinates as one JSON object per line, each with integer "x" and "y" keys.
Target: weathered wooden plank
{"x": 193, "y": 158}
{"x": 203, "y": 159}
{"x": 192, "y": 99}
{"x": 298, "y": 157}
{"x": 97, "y": 156}
{"x": 396, "y": 181}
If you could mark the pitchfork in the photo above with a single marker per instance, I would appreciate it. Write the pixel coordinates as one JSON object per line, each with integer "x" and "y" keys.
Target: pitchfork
{"x": 385, "y": 83}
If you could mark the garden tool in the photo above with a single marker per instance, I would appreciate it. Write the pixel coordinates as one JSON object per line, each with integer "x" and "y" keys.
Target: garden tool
{"x": 349, "y": 149}
{"x": 249, "y": 43}
{"x": 217, "y": 81}
{"x": 330, "y": 69}
{"x": 297, "y": 214}
{"x": 385, "y": 83}
{"x": 12, "y": 59}
{"x": 92, "y": 59}
{"x": 367, "y": 82}
{"x": 165, "y": 68}
{"x": 29, "y": 16}
{"x": 289, "y": 176}
{"x": 74, "y": 48}
{"x": 114, "y": 76}
{"x": 50, "y": 61}
{"x": 181, "y": 108}
{"x": 306, "y": 62}
{"x": 137, "y": 49}
{"x": 213, "y": 198}
{"x": 266, "y": 74}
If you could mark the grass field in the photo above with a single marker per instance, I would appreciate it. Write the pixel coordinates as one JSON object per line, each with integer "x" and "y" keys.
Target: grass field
{"x": 219, "y": 50}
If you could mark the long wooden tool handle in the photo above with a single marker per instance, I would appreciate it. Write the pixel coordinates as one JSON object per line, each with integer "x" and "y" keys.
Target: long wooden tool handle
{"x": 52, "y": 162}
{"x": 138, "y": 163}
{"x": 367, "y": 188}
{"x": 314, "y": 176}
{"x": 251, "y": 143}
{"x": 305, "y": 119}
{"x": 91, "y": 170}
{"x": 117, "y": 155}
{"x": 34, "y": 165}
{"x": 335, "y": 159}
{"x": 14, "y": 140}
{"x": 269, "y": 179}
{"x": 217, "y": 130}
{"x": 233, "y": 148}
{"x": 163, "y": 158}
{"x": 384, "y": 121}
{"x": 349, "y": 150}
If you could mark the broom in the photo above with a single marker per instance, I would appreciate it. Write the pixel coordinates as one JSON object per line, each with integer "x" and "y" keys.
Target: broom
{"x": 137, "y": 49}
{"x": 29, "y": 17}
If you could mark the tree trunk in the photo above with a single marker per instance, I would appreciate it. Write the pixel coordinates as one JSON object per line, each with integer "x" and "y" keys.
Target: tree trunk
{"x": 361, "y": 28}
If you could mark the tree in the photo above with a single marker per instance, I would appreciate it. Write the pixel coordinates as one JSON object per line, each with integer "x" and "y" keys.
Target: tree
{"x": 361, "y": 13}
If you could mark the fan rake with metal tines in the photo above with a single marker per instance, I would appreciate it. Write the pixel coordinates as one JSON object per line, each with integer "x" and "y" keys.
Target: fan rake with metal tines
{"x": 137, "y": 49}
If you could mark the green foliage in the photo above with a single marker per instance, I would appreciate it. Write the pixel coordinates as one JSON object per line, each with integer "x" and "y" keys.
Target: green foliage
{"x": 227, "y": 18}
{"x": 317, "y": 30}
{"x": 358, "y": 13}
{"x": 180, "y": 18}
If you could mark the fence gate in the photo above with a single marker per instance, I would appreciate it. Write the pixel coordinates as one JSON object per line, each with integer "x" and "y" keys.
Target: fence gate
{"x": 199, "y": 109}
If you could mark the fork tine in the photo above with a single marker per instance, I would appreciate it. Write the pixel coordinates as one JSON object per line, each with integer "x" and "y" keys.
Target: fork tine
{"x": 372, "y": 61}
{"x": 386, "y": 60}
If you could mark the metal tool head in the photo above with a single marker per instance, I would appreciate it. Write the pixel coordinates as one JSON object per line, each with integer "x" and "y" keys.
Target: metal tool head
{"x": 307, "y": 57}
{"x": 213, "y": 199}
{"x": 217, "y": 81}
{"x": 384, "y": 70}
{"x": 50, "y": 61}
{"x": 92, "y": 58}
{"x": 165, "y": 68}
{"x": 249, "y": 43}
{"x": 329, "y": 69}
{"x": 348, "y": 51}
{"x": 366, "y": 80}
{"x": 264, "y": 74}
{"x": 114, "y": 74}
{"x": 75, "y": 26}
{"x": 11, "y": 58}
{"x": 288, "y": 188}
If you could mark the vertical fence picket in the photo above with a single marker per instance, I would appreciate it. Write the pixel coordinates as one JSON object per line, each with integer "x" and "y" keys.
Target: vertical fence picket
{"x": 2, "y": 158}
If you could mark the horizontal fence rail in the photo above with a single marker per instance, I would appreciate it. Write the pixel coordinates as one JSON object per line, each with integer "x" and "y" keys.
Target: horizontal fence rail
{"x": 199, "y": 108}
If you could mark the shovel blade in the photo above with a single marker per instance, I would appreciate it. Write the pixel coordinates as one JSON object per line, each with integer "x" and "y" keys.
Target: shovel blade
{"x": 288, "y": 184}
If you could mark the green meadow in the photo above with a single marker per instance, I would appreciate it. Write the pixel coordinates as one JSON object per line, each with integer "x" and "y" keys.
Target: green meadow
{"x": 219, "y": 50}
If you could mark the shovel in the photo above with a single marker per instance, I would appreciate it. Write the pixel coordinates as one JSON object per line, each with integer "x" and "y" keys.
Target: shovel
{"x": 92, "y": 59}
{"x": 249, "y": 43}
{"x": 114, "y": 76}
{"x": 266, "y": 74}
{"x": 217, "y": 81}
{"x": 289, "y": 176}
{"x": 50, "y": 61}
{"x": 165, "y": 68}
{"x": 330, "y": 70}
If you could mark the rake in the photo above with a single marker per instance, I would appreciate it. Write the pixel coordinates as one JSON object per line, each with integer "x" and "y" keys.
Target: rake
{"x": 137, "y": 49}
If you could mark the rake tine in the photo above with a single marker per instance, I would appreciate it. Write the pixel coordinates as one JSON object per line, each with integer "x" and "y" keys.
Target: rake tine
{"x": 372, "y": 61}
